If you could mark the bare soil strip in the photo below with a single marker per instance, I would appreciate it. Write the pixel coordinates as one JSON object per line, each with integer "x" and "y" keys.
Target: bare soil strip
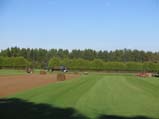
{"x": 13, "y": 84}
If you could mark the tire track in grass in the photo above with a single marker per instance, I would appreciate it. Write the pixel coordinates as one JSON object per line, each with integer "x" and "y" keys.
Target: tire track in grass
{"x": 115, "y": 96}
{"x": 94, "y": 102}
{"x": 74, "y": 94}
{"x": 63, "y": 93}
{"x": 58, "y": 88}
{"x": 143, "y": 85}
{"x": 154, "y": 81}
{"x": 125, "y": 101}
{"x": 143, "y": 95}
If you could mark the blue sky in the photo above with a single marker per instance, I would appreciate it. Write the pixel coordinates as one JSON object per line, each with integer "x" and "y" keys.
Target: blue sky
{"x": 80, "y": 24}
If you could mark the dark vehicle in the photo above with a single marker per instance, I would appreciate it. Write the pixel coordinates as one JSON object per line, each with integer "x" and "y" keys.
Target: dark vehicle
{"x": 156, "y": 74}
{"x": 59, "y": 68}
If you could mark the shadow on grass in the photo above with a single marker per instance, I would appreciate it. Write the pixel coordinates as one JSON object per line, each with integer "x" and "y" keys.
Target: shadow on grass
{"x": 20, "y": 109}
{"x": 121, "y": 117}
{"x": 14, "y": 108}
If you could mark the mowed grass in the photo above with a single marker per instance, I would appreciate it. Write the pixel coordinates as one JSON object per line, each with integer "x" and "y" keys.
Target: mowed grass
{"x": 18, "y": 72}
{"x": 11, "y": 72}
{"x": 94, "y": 95}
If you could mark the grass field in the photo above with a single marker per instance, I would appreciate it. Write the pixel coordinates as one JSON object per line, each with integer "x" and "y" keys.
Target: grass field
{"x": 98, "y": 96}
{"x": 17, "y": 72}
{"x": 11, "y": 72}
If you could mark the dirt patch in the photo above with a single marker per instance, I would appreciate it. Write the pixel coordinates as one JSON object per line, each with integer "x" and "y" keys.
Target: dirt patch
{"x": 13, "y": 84}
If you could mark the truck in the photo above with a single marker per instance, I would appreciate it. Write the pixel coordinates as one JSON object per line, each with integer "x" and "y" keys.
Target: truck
{"x": 61, "y": 68}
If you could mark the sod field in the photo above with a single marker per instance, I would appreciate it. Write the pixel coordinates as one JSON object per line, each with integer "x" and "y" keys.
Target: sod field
{"x": 12, "y": 72}
{"x": 93, "y": 96}
{"x": 17, "y": 72}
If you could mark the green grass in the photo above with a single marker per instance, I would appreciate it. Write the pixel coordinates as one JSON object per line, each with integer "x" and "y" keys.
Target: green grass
{"x": 18, "y": 72}
{"x": 11, "y": 72}
{"x": 94, "y": 95}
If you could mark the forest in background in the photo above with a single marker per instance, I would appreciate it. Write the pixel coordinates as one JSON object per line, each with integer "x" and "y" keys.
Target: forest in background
{"x": 41, "y": 58}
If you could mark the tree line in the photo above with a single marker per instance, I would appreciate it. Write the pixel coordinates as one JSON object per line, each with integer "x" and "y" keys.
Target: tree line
{"x": 100, "y": 65}
{"x": 40, "y": 58}
{"x": 14, "y": 62}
